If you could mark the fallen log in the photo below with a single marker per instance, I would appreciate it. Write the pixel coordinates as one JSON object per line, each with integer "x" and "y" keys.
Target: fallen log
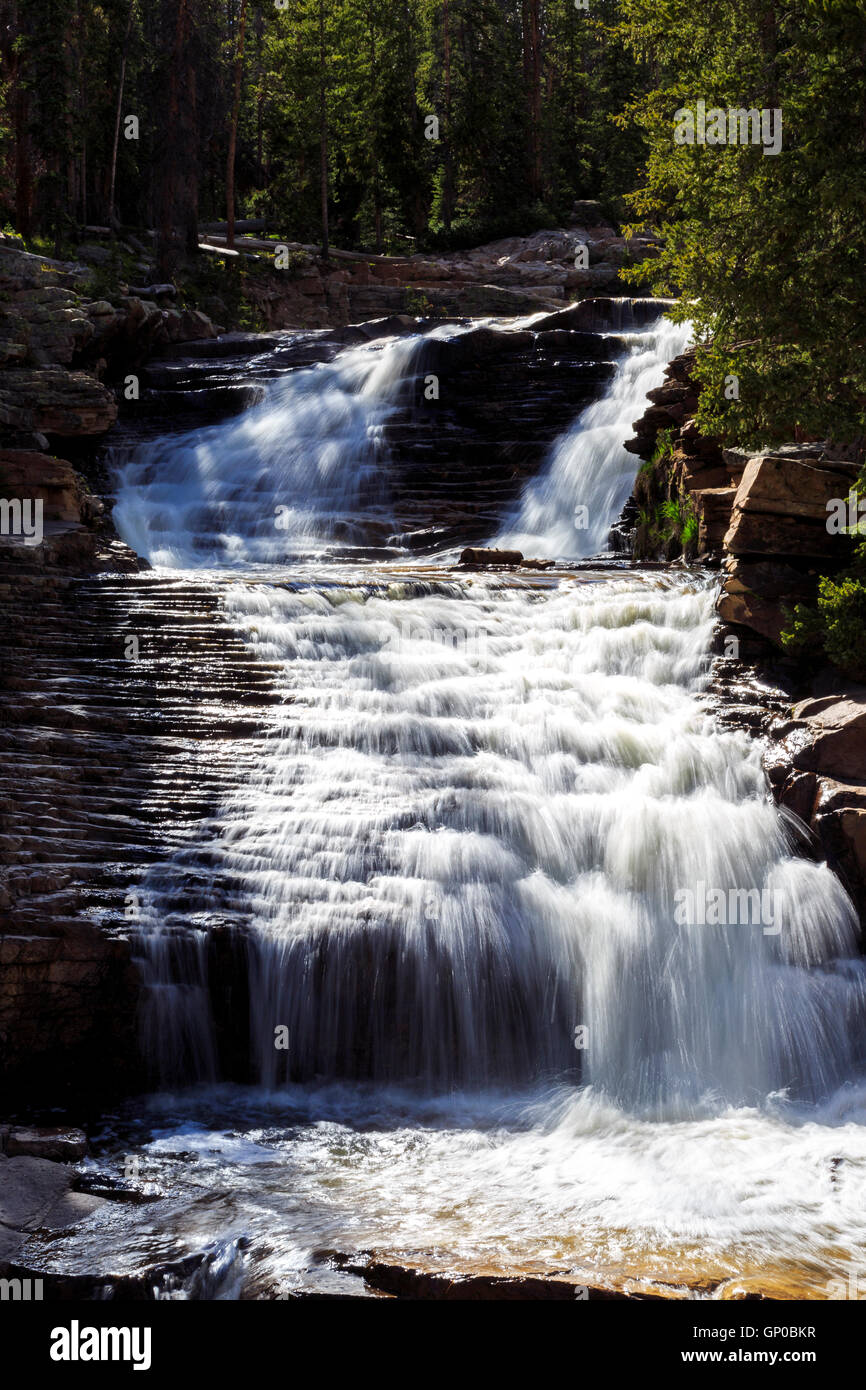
{"x": 153, "y": 291}
{"x": 475, "y": 557}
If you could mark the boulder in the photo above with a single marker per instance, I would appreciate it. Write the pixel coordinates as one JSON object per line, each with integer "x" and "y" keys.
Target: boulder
{"x": 746, "y": 609}
{"x": 771, "y": 533}
{"x": 53, "y": 401}
{"x": 836, "y": 727}
{"x": 24, "y": 474}
{"x": 36, "y": 1195}
{"x": 779, "y": 484}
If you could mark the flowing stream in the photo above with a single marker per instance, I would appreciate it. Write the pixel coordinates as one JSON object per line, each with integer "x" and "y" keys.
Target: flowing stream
{"x": 492, "y": 1020}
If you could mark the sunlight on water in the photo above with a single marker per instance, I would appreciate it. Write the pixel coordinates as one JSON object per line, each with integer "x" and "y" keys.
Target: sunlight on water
{"x": 457, "y": 864}
{"x": 569, "y": 509}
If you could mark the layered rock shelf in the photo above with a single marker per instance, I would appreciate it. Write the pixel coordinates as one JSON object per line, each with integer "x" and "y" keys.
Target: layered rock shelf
{"x": 119, "y": 757}
{"x": 516, "y": 275}
{"x": 762, "y": 517}
{"x": 57, "y": 342}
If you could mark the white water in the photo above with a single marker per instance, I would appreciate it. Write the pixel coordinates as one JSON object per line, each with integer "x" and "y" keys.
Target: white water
{"x": 568, "y": 510}
{"x": 289, "y": 477}
{"x": 463, "y": 839}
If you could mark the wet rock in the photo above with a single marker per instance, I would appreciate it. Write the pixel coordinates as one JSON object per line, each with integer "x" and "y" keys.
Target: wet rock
{"x": 36, "y": 1194}
{"x": 100, "y": 756}
{"x": 816, "y": 766}
{"x": 60, "y": 1145}
{"x": 452, "y": 1285}
{"x": 391, "y": 326}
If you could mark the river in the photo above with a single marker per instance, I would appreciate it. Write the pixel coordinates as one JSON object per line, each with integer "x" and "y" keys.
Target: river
{"x": 483, "y": 1034}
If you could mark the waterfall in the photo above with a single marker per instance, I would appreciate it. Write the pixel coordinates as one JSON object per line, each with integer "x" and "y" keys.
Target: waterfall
{"x": 461, "y": 854}
{"x": 521, "y": 955}
{"x": 303, "y": 469}
{"x": 467, "y": 835}
{"x": 568, "y": 510}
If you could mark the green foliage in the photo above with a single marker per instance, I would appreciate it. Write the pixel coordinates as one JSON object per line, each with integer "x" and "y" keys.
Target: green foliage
{"x": 663, "y": 449}
{"x": 666, "y": 527}
{"x": 524, "y": 92}
{"x": 417, "y": 303}
{"x": 767, "y": 251}
{"x": 836, "y": 624}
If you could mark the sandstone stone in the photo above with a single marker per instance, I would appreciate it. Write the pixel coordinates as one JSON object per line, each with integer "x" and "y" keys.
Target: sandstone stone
{"x": 772, "y": 579}
{"x": 38, "y": 476}
{"x": 746, "y": 609}
{"x": 713, "y": 507}
{"x": 837, "y": 737}
{"x": 790, "y": 486}
{"x": 798, "y": 793}
{"x": 53, "y": 401}
{"x": 763, "y": 533}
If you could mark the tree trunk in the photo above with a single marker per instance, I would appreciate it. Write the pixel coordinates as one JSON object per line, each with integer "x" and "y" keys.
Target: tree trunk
{"x": 111, "y": 215}
{"x": 20, "y": 103}
{"x": 177, "y": 188}
{"x": 532, "y": 78}
{"x": 233, "y": 130}
{"x": 448, "y": 159}
{"x": 323, "y": 128}
{"x": 377, "y": 176}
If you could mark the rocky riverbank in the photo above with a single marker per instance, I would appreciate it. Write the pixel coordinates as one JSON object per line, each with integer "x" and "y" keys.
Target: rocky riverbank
{"x": 761, "y": 518}
{"x": 515, "y": 275}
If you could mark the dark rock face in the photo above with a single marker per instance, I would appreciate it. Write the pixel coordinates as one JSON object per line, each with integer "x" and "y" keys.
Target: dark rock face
{"x": 108, "y": 744}
{"x": 59, "y": 524}
{"x": 28, "y": 1141}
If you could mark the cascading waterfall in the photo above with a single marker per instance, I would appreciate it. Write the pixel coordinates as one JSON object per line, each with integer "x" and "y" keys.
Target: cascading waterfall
{"x": 460, "y": 861}
{"x": 296, "y": 473}
{"x": 568, "y": 510}
{"x": 467, "y": 838}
